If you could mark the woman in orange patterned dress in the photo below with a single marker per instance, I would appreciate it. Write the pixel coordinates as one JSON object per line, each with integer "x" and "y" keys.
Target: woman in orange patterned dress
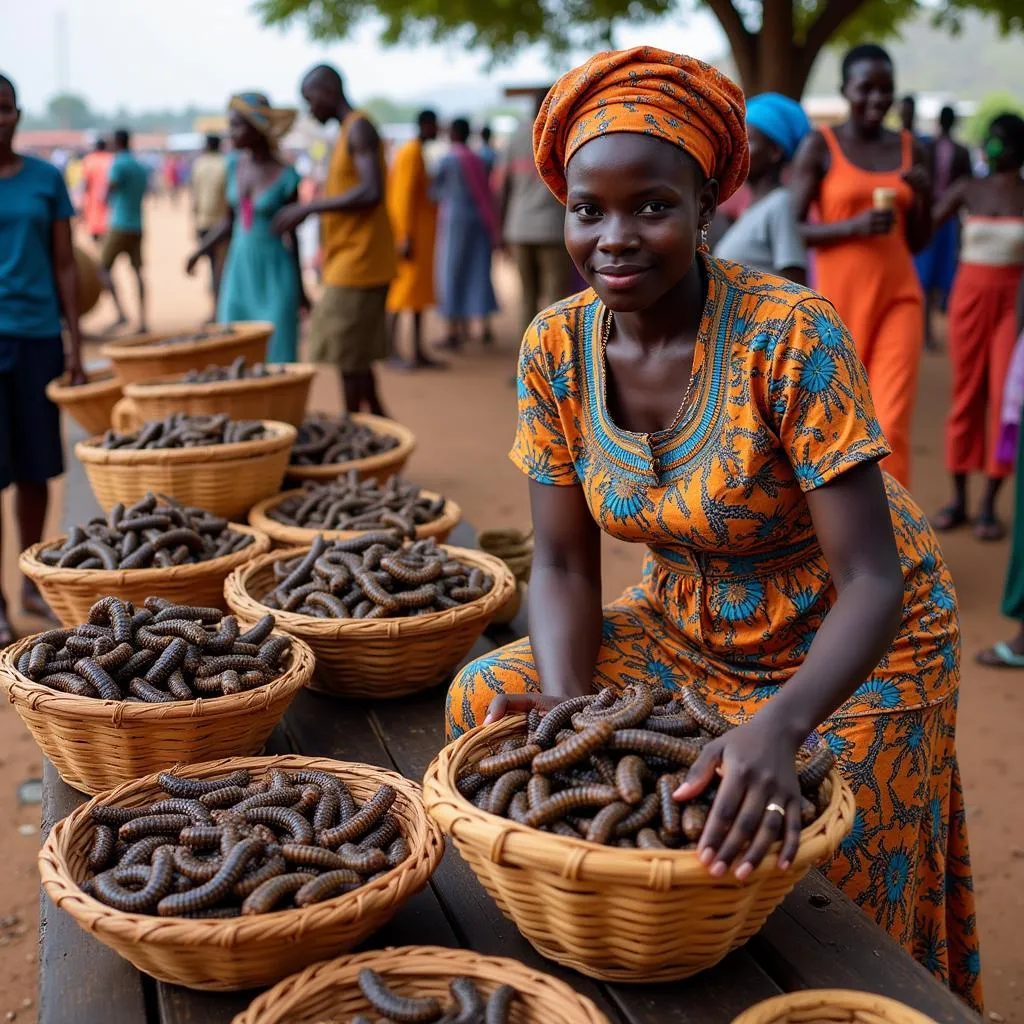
{"x": 720, "y": 416}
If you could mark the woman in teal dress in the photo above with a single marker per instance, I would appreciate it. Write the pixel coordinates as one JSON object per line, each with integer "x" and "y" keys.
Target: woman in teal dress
{"x": 262, "y": 277}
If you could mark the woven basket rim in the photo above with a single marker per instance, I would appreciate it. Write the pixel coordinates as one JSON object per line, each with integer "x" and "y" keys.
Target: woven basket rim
{"x": 450, "y": 517}
{"x": 21, "y": 690}
{"x": 148, "y": 346}
{"x": 282, "y": 436}
{"x": 410, "y": 961}
{"x": 98, "y": 382}
{"x": 378, "y": 424}
{"x": 170, "y": 385}
{"x": 513, "y": 844}
{"x": 286, "y": 924}
{"x": 236, "y": 592}
{"x": 809, "y": 999}
{"x": 30, "y": 565}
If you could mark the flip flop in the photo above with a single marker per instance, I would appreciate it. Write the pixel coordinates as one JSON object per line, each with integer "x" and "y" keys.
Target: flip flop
{"x": 988, "y": 529}
{"x": 1000, "y": 655}
{"x": 949, "y": 517}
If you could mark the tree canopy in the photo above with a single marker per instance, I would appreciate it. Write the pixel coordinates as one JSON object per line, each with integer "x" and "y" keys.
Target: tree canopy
{"x": 774, "y": 42}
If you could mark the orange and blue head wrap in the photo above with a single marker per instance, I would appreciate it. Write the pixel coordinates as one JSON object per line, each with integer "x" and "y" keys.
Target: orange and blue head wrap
{"x": 645, "y": 91}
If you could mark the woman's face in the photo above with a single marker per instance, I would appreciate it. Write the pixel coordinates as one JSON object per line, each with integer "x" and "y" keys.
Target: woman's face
{"x": 634, "y": 210}
{"x": 999, "y": 151}
{"x": 9, "y": 115}
{"x": 243, "y": 135}
{"x": 869, "y": 90}
{"x": 765, "y": 153}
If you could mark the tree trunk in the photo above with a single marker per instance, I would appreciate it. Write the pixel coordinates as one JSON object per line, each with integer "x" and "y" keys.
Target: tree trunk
{"x": 777, "y": 50}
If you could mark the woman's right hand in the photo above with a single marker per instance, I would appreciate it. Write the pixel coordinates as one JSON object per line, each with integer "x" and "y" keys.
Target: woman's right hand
{"x": 520, "y": 704}
{"x": 872, "y": 222}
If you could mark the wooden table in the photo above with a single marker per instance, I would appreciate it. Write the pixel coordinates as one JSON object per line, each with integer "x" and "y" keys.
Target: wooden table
{"x": 816, "y": 939}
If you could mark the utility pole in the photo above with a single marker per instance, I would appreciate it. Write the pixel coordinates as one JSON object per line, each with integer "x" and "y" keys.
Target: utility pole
{"x": 60, "y": 32}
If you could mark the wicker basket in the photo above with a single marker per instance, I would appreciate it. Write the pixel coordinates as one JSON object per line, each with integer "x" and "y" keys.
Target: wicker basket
{"x": 293, "y": 536}
{"x": 142, "y": 357}
{"x": 610, "y": 913}
{"x": 329, "y": 992}
{"x": 378, "y": 467}
{"x": 95, "y": 744}
{"x": 72, "y": 592}
{"x": 281, "y": 396}
{"x": 91, "y": 405}
{"x": 245, "y": 952}
{"x": 225, "y": 479}
{"x": 125, "y": 417}
{"x": 376, "y": 658}
{"x": 831, "y": 1006}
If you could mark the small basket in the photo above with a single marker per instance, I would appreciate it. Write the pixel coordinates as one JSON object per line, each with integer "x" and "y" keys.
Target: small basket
{"x": 143, "y": 357}
{"x": 831, "y": 1006}
{"x": 91, "y": 405}
{"x": 611, "y": 913}
{"x": 375, "y": 658}
{"x": 377, "y": 467}
{"x": 292, "y": 536}
{"x": 225, "y": 479}
{"x": 95, "y": 744}
{"x": 281, "y": 396}
{"x": 515, "y": 549}
{"x": 330, "y": 991}
{"x": 245, "y": 952}
{"x": 72, "y": 592}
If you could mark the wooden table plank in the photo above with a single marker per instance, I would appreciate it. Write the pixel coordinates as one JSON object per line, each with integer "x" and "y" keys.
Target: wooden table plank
{"x": 819, "y": 938}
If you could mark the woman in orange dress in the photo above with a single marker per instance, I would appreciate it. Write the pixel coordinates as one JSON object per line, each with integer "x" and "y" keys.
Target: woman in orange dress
{"x": 720, "y": 415}
{"x": 873, "y": 201}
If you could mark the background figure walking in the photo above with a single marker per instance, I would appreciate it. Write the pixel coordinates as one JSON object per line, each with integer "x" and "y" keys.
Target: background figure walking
{"x": 348, "y": 327}
{"x": 126, "y": 189}
{"x": 95, "y": 178}
{"x": 210, "y": 206}
{"x": 414, "y": 222}
{"x": 468, "y": 232}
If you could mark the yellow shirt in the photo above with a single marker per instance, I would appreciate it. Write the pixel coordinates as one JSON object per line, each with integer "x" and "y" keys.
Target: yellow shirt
{"x": 209, "y": 190}
{"x": 358, "y": 245}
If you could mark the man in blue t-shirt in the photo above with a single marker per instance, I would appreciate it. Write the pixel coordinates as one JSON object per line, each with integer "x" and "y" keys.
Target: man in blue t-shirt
{"x": 125, "y": 191}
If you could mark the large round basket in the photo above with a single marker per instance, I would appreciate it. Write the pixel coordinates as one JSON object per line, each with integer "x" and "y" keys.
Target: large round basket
{"x": 611, "y": 913}
{"x": 281, "y": 396}
{"x": 330, "y": 991}
{"x": 831, "y": 1006}
{"x": 243, "y": 952}
{"x": 378, "y": 467}
{"x": 95, "y": 744}
{"x": 91, "y": 405}
{"x": 376, "y": 658}
{"x": 72, "y": 592}
{"x": 293, "y": 536}
{"x": 90, "y": 287}
{"x": 144, "y": 357}
{"x": 225, "y": 479}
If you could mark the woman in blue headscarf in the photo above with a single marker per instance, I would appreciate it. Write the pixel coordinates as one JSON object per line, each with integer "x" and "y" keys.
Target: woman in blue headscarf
{"x": 767, "y": 235}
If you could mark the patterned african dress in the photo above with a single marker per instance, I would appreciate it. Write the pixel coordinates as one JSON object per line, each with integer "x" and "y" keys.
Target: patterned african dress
{"x": 735, "y": 585}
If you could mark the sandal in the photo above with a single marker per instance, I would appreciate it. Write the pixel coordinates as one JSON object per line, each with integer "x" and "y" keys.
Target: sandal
{"x": 988, "y": 528}
{"x": 1000, "y": 655}
{"x": 949, "y": 517}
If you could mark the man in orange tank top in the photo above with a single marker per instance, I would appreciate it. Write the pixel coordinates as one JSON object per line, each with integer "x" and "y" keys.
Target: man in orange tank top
{"x": 348, "y": 326}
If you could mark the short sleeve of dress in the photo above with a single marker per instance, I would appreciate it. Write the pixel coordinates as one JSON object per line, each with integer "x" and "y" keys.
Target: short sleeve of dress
{"x": 818, "y": 392}
{"x": 545, "y": 383}
{"x": 289, "y": 181}
{"x": 61, "y": 202}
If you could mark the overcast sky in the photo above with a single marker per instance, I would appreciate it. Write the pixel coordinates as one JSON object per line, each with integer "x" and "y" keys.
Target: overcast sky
{"x": 147, "y": 54}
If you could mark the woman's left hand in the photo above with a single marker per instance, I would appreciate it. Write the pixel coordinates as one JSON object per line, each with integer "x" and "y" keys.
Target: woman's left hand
{"x": 758, "y": 801}
{"x": 919, "y": 180}
{"x": 75, "y": 372}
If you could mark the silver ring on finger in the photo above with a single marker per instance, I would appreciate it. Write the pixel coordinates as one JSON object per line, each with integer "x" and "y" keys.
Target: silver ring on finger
{"x": 774, "y": 808}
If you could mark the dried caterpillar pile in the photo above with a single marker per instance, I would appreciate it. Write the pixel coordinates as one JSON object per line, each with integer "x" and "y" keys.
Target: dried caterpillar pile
{"x": 603, "y": 767}
{"x": 325, "y": 440}
{"x": 205, "y": 334}
{"x": 181, "y": 431}
{"x": 350, "y": 503}
{"x": 154, "y": 532}
{"x": 468, "y": 1005}
{"x": 159, "y": 653}
{"x": 238, "y": 370}
{"x": 373, "y": 576}
{"x": 221, "y": 848}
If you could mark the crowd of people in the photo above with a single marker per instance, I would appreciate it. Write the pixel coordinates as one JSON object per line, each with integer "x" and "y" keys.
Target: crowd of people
{"x": 753, "y": 433}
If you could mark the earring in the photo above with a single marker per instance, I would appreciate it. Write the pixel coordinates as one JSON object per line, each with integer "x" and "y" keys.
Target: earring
{"x": 703, "y": 246}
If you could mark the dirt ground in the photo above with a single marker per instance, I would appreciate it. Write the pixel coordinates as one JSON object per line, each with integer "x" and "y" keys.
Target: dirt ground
{"x": 464, "y": 418}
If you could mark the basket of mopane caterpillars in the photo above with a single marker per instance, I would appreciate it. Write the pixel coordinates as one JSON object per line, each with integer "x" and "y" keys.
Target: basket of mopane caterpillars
{"x": 215, "y": 463}
{"x": 349, "y": 505}
{"x": 427, "y": 984}
{"x": 831, "y": 1006}
{"x": 385, "y": 616}
{"x": 236, "y": 873}
{"x": 137, "y": 688}
{"x": 328, "y": 446}
{"x": 569, "y": 822}
{"x": 244, "y": 390}
{"x": 156, "y": 546}
{"x": 155, "y": 355}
